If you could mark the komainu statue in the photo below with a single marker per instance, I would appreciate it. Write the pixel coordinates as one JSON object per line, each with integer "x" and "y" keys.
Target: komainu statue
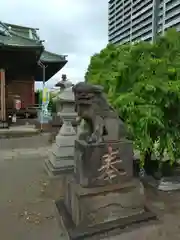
{"x": 102, "y": 195}
{"x": 101, "y": 120}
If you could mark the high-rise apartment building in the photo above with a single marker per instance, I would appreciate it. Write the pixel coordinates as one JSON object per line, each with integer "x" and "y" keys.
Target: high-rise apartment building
{"x": 134, "y": 20}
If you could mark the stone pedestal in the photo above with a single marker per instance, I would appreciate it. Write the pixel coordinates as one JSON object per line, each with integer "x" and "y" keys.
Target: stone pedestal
{"x": 93, "y": 205}
{"x": 102, "y": 195}
{"x": 61, "y": 156}
{"x": 94, "y": 211}
{"x": 87, "y": 174}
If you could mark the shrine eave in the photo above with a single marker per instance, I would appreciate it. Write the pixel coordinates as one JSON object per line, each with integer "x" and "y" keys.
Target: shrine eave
{"x": 53, "y": 63}
{"x": 47, "y": 56}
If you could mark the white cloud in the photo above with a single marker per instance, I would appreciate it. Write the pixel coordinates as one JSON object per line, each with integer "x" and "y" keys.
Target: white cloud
{"x": 77, "y": 28}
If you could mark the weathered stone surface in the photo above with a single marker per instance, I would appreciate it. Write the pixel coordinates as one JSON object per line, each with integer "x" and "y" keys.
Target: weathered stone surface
{"x": 89, "y": 212}
{"x": 61, "y": 157}
{"x": 91, "y": 206}
{"x": 92, "y": 106}
{"x": 168, "y": 179}
{"x": 89, "y": 158}
{"x": 165, "y": 184}
{"x": 102, "y": 195}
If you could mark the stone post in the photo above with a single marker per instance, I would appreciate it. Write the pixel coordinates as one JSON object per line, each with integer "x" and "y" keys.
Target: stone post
{"x": 61, "y": 156}
{"x": 56, "y": 122}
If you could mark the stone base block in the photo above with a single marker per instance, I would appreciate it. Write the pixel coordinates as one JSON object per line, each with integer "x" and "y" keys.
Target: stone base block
{"x": 88, "y": 159}
{"x": 165, "y": 184}
{"x": 92, "y": 211}
{"x": 56, "y": 171}
{"x": 4, "y": 124}
{"x": 57, "y": 181}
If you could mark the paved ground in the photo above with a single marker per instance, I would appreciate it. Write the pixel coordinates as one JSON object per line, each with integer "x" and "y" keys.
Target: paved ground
{"x": 27, "y": 209}
{"x": 21, "y": 131}
{"x": 37, "y": 141}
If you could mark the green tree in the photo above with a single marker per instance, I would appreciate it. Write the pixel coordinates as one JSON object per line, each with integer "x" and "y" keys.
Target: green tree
{"x": 142, "y": 82}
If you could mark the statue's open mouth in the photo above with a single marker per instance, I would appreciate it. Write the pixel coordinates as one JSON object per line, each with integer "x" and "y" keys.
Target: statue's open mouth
{"x": 84, "y": 102}
{"x": 84, "y": 96}
{"x": 83, "y": 99}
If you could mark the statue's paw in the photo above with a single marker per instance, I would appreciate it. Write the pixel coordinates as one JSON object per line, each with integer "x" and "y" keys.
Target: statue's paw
{"x": 92, "y": 139}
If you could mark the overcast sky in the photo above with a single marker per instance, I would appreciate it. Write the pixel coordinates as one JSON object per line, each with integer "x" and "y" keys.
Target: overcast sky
{"x": 77, "y": 28}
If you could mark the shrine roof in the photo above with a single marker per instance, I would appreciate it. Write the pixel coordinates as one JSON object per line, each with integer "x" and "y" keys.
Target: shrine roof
{"x": 22, "y": 36}
{"x": 10, "y": 36}
{"x": 52, "y": 57}
{"x": 16, "y": 36}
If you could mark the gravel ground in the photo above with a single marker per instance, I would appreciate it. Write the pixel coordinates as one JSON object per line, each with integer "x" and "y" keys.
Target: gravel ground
{"x": 27, "y": 210}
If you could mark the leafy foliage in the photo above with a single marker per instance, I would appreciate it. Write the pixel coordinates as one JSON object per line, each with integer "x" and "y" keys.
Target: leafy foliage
{"x": 143, "y": 82}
